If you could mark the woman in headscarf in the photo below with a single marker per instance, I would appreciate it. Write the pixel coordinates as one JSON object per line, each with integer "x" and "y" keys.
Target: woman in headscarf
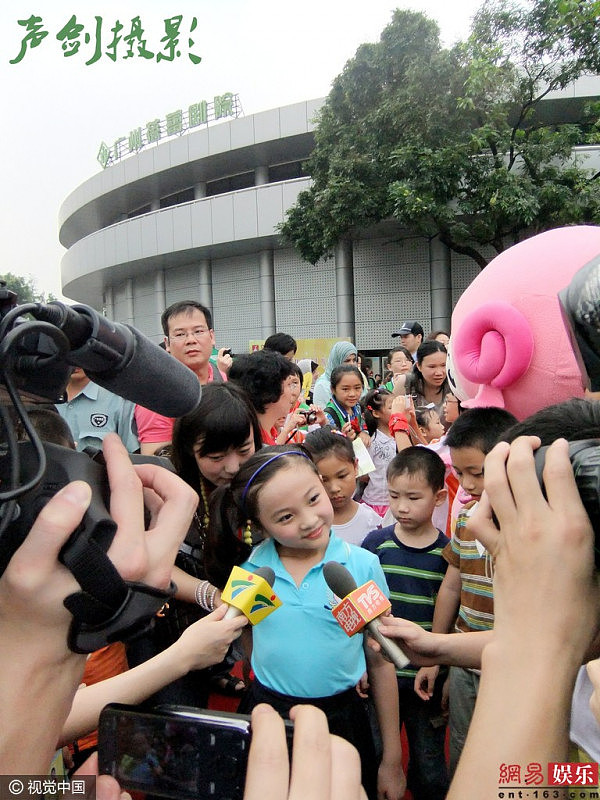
{"x": 341, "y": 353}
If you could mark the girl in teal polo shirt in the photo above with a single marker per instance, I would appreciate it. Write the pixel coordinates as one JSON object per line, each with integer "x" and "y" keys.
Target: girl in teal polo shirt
{"x": 299, "y": 653}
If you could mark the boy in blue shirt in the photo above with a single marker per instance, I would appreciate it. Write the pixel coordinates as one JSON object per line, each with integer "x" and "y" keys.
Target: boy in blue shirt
{"x": 410, "y": 553}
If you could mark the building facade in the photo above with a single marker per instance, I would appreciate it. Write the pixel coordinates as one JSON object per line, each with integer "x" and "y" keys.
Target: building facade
{"x": 195, "y": 217}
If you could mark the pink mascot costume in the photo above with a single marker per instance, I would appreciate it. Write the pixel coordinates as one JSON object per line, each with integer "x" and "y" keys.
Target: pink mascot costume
{"x": 509, "y": 346}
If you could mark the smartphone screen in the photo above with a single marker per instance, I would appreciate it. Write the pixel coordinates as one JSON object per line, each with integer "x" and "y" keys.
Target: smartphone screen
{"x": 180, "y": 753}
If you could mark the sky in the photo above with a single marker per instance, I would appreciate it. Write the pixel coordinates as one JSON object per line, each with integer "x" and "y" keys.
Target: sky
{"x": 56, "y": 110}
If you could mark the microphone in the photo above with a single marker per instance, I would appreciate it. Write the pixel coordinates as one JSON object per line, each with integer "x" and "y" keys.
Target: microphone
{"x": 250, "y": 594}
{"x": 121, "y": 359}
{"x": 360, "y": 608}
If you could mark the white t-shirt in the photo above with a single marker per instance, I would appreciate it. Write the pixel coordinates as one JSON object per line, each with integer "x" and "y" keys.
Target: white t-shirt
{"x": 585, "y": 730}
{"x": 364, "y": 521}
{"x": 382, "y": 450}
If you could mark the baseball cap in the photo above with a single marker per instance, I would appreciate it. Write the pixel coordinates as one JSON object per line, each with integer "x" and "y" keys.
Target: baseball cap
{"x": 410, "y": 326}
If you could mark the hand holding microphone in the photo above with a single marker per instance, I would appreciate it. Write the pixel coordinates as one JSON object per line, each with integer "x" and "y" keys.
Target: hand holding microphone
{"x": 361, "y": 607}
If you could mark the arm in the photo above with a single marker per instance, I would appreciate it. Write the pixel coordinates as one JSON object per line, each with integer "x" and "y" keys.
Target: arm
{"x": 447, "y": 604}
{"x": 401, "y": 433}
{"x": 40, "y": 674}
{"x": 546, "y": 614}
{"x": 224, "y": 361}
{"x": 204, "y": 643}
{"x": 293, "y": 421}
{"x": 428, "y": 649}
{"x": 186, "y": 587}
{"x": 391, "y": 781}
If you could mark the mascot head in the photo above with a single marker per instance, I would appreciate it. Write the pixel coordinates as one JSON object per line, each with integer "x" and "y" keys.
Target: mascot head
{"x": 509, "y": 345}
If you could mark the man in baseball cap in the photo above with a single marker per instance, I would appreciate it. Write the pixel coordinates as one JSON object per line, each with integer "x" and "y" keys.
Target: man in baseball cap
{"x": 411, "y": 334}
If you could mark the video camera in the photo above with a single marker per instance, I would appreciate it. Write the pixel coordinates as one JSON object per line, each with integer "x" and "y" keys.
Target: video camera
{"x": 36, "y": 358}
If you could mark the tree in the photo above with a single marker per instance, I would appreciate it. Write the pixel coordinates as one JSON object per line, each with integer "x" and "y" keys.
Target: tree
{"x": 456, "y": 143}
{"x": 25, "y": 289}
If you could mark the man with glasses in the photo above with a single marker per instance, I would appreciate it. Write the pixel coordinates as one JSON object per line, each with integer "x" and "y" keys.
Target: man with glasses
{"x": 190, "y": 338}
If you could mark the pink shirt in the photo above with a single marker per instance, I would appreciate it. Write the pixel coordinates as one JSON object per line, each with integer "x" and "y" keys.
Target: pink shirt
{"x": 154, "y": 428}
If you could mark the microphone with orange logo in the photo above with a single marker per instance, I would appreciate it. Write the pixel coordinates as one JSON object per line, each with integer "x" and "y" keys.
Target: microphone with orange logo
{"x": 360, "y": 607}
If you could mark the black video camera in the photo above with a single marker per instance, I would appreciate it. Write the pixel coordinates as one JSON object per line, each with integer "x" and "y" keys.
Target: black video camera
{"x": 36, "y": 357}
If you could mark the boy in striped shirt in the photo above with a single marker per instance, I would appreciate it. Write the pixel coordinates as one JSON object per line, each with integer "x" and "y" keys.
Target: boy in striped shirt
{"x": 465, "y": 601}
{"x": 410, "y": 553}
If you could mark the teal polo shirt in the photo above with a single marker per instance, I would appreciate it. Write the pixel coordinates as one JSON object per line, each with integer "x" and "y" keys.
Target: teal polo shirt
{"x": 94, "y": 412}
{"x": 299, "y": 649}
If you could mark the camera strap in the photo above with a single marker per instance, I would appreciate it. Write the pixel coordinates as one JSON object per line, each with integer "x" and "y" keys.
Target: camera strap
{"x": 107, "y": 609}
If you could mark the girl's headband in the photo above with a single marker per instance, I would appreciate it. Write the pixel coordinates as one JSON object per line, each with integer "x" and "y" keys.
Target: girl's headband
{"x": 266, "y": 463}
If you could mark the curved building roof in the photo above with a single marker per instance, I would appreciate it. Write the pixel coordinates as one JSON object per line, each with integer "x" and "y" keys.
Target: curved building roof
{"x": 101, "y": 225}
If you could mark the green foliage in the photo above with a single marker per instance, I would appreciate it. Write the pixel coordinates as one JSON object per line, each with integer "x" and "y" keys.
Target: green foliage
{"x": 24, "y": 288}
{"x": 456, "y": 142}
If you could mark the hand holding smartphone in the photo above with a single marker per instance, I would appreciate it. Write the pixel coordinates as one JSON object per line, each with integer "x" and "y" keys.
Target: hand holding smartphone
{"x": 176, "y": 752}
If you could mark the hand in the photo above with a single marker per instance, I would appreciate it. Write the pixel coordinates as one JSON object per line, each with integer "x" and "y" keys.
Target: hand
{"x": 391, "y": 781}
{"x": 421, "y": 646}
{"x": 398, "y": 384}
{"x": 349, "y": 431}
{"x": 543, "y": 553}
{"x": 35, "y": 583}
{"x": 107, "y": 787}
{"x": 321, "y": 418}
{"x": 39, "y": 683}
{"x": 324, "y": 767}
{"x": 425, "y": 682}
{"x": 366, "y": 439}
{"x": 297, "y": 419}
{"x": 224, "y": 360}
{"x": 140, "y": 555}
{"x": 207, "y": 641}
{"x": 398, "y": 404}
{"x": 362, "y": 687}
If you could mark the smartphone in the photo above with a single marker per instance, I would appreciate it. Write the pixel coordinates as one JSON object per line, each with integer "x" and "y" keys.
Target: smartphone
{"x": 176, "y": 752}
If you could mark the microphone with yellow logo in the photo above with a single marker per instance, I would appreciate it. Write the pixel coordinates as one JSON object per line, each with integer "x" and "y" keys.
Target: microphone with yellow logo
{"x": 250, "y": 594}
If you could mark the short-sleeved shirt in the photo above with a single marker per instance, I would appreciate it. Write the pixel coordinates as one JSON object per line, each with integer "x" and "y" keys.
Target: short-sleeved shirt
{"x": 363, "y": 521}
{"x": 476, "y": 612}
{"x": 414, "y": 576}
{"x": 154, "y": 428}
{"x": 300, "y": 649}
{"x": 382, "y": 450}
{"x": 95, "y": 412}
{"x": 338, "y": 416}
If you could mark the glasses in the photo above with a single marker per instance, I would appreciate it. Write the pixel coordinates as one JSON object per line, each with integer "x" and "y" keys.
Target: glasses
{"x": 181, "y": 336}
{"x": 451, "y": 400}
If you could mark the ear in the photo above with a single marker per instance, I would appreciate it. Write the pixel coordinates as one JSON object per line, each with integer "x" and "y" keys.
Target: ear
{"x": 441, "y": 497}
{"x": 356, "y": 467}
{"x": 167, "y": 348}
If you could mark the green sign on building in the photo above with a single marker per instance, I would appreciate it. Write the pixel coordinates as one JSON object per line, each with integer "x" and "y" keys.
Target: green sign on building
{"x": 174, "y": 124}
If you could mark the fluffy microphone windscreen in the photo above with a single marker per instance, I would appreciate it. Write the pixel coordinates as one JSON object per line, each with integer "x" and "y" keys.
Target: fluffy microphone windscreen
{"x": 339, "y": 580}
{"x": 152, "y": 378}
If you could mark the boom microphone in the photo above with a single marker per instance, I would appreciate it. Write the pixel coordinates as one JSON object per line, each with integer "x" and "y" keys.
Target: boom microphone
{"x": 342, "y": 584}
{"x": 122, "y": 360}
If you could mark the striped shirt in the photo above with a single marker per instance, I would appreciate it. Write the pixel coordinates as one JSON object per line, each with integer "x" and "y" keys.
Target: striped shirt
{"x": 413, "y": 575}
{"x": 476, "y": 612}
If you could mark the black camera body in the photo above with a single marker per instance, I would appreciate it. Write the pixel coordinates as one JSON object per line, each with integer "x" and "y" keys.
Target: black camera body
{"x": 309, "y": 416}
{"x": 585, "y": 460}
{"x": 62, "y": 466}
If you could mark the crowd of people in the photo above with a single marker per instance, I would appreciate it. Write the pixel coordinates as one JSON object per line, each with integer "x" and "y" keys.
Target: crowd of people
{"x": 383, "y": 474}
